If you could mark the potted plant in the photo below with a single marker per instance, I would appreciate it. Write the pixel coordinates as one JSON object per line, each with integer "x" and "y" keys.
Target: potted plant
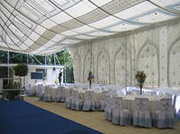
{"x": 21, "y": 70}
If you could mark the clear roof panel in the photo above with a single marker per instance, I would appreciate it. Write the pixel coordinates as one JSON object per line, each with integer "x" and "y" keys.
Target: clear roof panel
{"x": 22, "y": 21}
{"x": 34, "y": 36}
{"x": 105, "y": 22}
{"x": 70, "y": 41}
{"x": 101, "y": 2}
{"x": 123, "y": 27}
{"x": 100, "y": 33}
{"x": 2, "y": 44}
{"x": 39, "y": 29}
{"x": 156, "y": 16}
{"x": 85, "y": 37}
{"x": 83, "y": 29}
{"x": 49, "y": 44}
{"x": 69, "y": 33}
{"x": 45, "y": 4}
{"x": 61, "y": 18}
{"x": 136, "y": 10}
{"x": 81, "y": 8}
{"x": 23, "y": 46}
{"x": 28, "y": 42}
{"x": 57, "y": 38}
{"x": 46, "y": 26}
{"x": 165, "y": 2}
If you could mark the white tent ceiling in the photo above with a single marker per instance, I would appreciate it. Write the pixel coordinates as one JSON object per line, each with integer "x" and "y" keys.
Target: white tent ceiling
{"x": 46, "y": 26}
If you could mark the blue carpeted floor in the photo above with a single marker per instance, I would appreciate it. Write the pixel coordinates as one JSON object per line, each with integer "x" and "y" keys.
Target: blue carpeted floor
{"x": 19, "y": 117}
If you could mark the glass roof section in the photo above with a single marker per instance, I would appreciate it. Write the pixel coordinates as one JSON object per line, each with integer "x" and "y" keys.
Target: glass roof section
{"x": 46, "y": 26}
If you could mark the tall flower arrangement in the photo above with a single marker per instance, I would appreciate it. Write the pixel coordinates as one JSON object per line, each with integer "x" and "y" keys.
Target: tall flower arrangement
{"x": 140, "y": 77}
{"x": 90, "y": 78}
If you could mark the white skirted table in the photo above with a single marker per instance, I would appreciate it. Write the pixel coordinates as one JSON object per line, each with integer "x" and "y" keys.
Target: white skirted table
{"x": 154, "y": 101}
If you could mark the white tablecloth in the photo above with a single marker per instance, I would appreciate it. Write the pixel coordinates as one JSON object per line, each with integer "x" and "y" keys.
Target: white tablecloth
{"x": 154, "y": 101}
{"x": 97, "y": 93}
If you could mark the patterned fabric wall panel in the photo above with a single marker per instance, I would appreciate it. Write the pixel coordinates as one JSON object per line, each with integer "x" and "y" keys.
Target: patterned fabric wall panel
{"x": 103, "y": 68}
{"x": 77, "y": 68}
{"x": 88, "y": 66}
{"x": 148, "y": 62}
{"x": 173, "y": 33}
{"x": 174, "y": 65}
{"x": 122, "y": 67}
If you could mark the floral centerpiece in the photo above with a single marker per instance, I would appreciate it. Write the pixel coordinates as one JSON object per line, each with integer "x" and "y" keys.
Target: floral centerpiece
{"x": 90, "y": 78}
{"x": 140, "y": 77}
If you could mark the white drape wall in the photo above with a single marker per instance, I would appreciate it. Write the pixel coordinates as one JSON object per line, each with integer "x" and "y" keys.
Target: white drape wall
{"x": 116, "y": 59}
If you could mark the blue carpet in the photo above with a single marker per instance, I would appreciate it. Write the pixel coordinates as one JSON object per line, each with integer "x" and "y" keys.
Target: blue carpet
{"x": 19, "y": 117}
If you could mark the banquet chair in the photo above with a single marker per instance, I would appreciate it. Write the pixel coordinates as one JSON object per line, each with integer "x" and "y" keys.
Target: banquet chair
{"x": 133, "y": 92}
{"x": 38, "y": 90}
{"x": 89, "y": 102}
{"x": 35, "y": 88}
{"x": 148, "y": 93}
{"x": 77, "y": 102}
{"x": 108, "y": 109}
{"x": 169, "y": 95}
{"x": 68, "y": 97}
{"x": 47, "y": 94}
{"x": 164, "y": 117}
{"x": 141, "y": 113}
{"x": 160, "y": 94}
{"x": 41, "y": 91}
{"x": 102, "y": 103}
{"x": 30, "y": 90}
{"x": 119, "y": 115}
{"x": 153, "y": 93}
{"x": 61, "y": 96}
{"x": 120, "y": 93}
{"x": 72, "y": 98}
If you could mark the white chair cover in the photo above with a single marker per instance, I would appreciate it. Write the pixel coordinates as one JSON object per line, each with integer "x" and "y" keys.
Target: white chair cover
{"x": 153, "y": 93}
{"x": 89, "y": 102}
{"x": 147, "y": 93}
{"x": 108, "y": 109}
{"x": 72, "y": 98}
{"x": 77, "y": 102}
{"x": 61, "y": 96}
{"x": 164, "y": 117}
{"x": 119, "y": 115}
{"x": 68, "y": 97}
{"x": 141, "y": 113}
{"x": 102, "y": 103}
{"x": 47, "y": 94}
{"x": 30, "y": 90}
{"x": 133, "y": 92}
{"x": 37, "y": 90}
{"x": 41, "y": 91}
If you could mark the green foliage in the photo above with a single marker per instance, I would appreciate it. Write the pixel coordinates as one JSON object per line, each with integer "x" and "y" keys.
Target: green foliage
{"x": 49, "y": 60}
{"x": 3, "y": 56}
{"x": 17, "y": 58}
{"x": 64, "y": 58}
{"x": 141, "y": 77}
{"x": 69, "y": 75}
{"x": 36, "y": 60}
{"x": 21, "y": 70}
